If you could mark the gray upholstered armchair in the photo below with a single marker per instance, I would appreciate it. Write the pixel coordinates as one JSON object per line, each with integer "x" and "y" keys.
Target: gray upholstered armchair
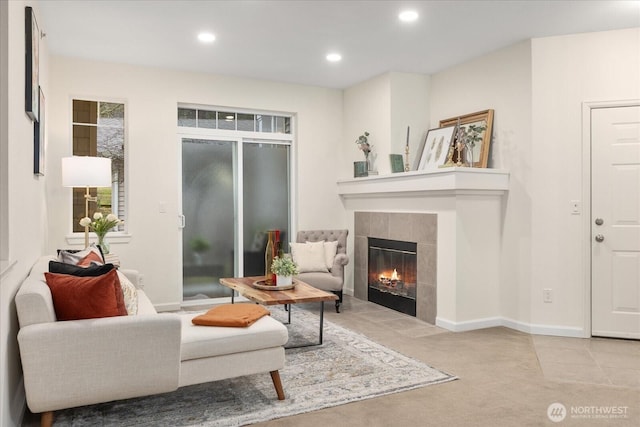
{"x": 333, "y": 281}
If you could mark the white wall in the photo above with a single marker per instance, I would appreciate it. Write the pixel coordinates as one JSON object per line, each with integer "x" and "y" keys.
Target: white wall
{"x": 27, "y": 208}
{"x": 4, "y": 131}
{"x": 568, "y": 71}
{"x": 537, "y": 89}
{"x": 366, "y": 108}
{"x": 409, "y": 102}
{"x": 500, "y": 81}
{"x": 384, "y": 106}
{"x": 151, "y": 96}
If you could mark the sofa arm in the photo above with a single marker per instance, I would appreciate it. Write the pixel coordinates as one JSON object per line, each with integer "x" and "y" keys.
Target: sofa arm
{"x": 83, "y": 362}
{"x": 133, "y": 276}
{"x": 338, "y": 265}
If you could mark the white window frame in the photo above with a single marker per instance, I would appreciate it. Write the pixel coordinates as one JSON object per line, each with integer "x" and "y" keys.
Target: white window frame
{"x": 241, "y": 138}
{"x": 115, "y": 237}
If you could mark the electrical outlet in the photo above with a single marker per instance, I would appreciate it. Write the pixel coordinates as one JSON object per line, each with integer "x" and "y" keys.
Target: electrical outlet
{"x": 547, "y": 295}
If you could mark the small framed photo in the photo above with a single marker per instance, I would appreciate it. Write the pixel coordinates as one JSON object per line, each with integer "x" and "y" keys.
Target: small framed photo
{"x": 436, "y": 147}
{"x": 396, "y": 163}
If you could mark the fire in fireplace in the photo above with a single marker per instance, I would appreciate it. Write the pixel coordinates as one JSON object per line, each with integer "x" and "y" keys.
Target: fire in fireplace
{"x": 392, "y": 274}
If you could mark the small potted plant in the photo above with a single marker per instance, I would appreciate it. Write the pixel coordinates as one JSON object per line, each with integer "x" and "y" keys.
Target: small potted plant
{"x": 198, "y": 246}
{"x": 284, "y": 268}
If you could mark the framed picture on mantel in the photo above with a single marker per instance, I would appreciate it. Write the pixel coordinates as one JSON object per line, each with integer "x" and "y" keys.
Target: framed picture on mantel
{"x": 396, "y": 163}
{"x": 436, "y": 147}
{"x": 481, "y": 119}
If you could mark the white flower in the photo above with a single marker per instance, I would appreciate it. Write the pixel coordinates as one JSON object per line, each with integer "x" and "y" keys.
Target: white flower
{"x": 85, "y": 222}
{"x": 112, "y": 217}
{"x": 97, "y": 215}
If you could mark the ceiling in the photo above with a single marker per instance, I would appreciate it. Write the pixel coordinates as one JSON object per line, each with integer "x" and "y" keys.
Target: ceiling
{"x": 287, "y": 41}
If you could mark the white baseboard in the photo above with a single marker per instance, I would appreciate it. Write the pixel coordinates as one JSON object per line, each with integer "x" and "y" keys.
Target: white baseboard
{"x": 469, "y": 325}
{"x": 490, "y": 322}
{"x": 167, "y": 307}
{"x": 176, "y": 306}
{"x": 559, "y": 331}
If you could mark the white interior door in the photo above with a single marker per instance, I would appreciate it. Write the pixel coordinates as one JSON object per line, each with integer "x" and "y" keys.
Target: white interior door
{"x": 615, "y": 222}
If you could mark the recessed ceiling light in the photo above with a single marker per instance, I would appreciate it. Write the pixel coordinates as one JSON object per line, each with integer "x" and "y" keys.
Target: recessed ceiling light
{"x": 206, "y": 37}
{"x": 408, "y": 15}
{"x": 229, "y": 118}
{"x": 334, "y": 57}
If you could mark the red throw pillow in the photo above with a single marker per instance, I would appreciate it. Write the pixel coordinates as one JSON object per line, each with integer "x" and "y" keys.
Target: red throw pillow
{"x": 91, "y": 256}
{"x": 86, "y": 297}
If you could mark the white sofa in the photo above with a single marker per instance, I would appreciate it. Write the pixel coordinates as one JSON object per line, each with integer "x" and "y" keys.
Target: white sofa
{"x": 83, "y": 362}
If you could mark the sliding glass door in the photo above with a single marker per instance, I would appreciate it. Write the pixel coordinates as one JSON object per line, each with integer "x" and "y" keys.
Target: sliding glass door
{"x": 233, "y": 191}
{"x": 208, "y": 194}
{"x": 266, "y": 200}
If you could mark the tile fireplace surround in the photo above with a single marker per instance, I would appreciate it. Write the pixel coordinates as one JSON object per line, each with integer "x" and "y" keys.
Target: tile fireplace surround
{"x": 410, "y": 227}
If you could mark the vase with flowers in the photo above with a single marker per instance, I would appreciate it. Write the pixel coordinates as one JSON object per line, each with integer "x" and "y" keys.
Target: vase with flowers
{"x": 472, "y": 135}
{"x": 365, "y": 147}
{"x": 101, "y": 225}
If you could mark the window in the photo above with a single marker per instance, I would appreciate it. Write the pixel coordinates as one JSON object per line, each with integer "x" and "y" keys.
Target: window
{"x": 98, "y": 130}
{"x": 211, "y": 119}
{"x": 236, "y": 185}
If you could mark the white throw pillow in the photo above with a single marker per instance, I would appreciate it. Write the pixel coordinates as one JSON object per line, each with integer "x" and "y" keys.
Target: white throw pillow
{"x": 330, "y": 250}
{"x": 309, "y": 256}
{"x": 130, "y": 294}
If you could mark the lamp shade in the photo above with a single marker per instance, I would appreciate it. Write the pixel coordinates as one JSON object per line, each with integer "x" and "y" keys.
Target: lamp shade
{"x": 85, "y": 171}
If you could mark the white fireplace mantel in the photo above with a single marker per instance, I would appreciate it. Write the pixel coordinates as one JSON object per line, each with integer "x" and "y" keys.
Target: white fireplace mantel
{"x": 469, "y": 204}
{"x": 437, "y": 182}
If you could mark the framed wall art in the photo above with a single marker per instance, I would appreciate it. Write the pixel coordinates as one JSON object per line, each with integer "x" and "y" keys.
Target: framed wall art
{"x": 32, "y": 64}
{"x": 38, "y": 138}
{"x": 479, "y": 127}
{"x": 436, "y": 147}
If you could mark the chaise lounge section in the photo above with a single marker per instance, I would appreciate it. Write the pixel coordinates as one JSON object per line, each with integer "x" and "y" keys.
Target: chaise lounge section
{"x": 83, "y": 362}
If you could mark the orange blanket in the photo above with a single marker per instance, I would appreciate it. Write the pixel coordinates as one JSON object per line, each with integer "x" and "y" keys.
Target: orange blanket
{"x": 231, "y": 315}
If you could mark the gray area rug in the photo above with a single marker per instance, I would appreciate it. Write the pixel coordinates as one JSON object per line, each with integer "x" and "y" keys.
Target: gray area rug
{"x": 348, "y": 367}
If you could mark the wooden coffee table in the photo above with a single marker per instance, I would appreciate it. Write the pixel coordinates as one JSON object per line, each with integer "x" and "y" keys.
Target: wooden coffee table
{"x": 301, "y": 293}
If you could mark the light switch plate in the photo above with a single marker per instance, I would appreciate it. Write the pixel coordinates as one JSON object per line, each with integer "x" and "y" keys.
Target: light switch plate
{"x": 576, "y": 207}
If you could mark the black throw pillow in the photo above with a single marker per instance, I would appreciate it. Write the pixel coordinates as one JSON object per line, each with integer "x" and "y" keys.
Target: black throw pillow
{"x": 74, "y": 270}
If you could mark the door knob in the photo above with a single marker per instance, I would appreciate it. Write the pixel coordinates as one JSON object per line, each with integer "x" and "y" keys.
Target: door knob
{"x": 599, "y": 221}
{"x": 599, "y": 238}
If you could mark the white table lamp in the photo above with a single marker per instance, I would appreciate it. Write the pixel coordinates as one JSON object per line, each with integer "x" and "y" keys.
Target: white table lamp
{"x": 85, "y": 171}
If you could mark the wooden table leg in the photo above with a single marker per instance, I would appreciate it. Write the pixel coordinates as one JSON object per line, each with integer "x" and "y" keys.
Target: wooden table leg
{"x": 46, "y": 419}
{"x": 275, "y": 377}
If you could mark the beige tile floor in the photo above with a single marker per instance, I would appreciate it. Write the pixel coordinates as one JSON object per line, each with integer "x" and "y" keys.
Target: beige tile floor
{"x": 506, "y": 378}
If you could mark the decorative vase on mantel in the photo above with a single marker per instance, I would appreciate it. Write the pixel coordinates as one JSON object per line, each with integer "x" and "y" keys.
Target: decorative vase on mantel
{"x": 102, "y": 242}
